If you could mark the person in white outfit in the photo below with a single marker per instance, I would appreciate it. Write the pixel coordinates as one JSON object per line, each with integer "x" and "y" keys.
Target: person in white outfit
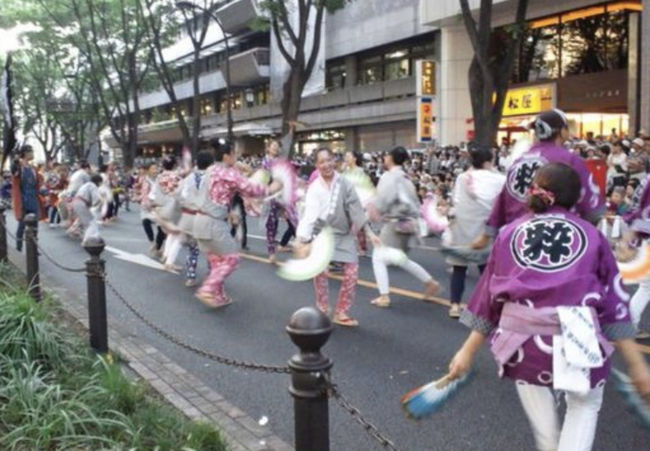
{"x": 87, "y": 198}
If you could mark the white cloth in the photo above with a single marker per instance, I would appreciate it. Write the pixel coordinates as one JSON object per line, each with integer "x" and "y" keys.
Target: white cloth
{"x": 474, "y": 195}
{"x": 380, "y": 269}
{"x": 90, "y": 193}
{"x": 320, "y": 200}
{"x": 77, "y": 179}
{"x": 616, "y": 160}
{"x": 579, "y": 428}
{"x": 639, "y": 302}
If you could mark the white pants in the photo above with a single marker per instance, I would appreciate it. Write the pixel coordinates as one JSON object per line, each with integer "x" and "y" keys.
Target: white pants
{"x": 579, "y": 428}
{"x": 380, "y": 268}
{"x": 639, "y": 302}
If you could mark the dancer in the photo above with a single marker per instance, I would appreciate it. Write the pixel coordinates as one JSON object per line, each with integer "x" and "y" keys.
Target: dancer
{"x": 87, "y": 197}
{"x": 551, "y": 130}
{"x": 474, "y": 194}
{"x": 396, "y": 205}
{"x": 331, "y": 200}
{"x": 189, "y": 200}
{"x": 275, "y": 208}
{"x": 167, "y": 211}
{"x": 639, "y": 231}
{"x": 211, "y": 228}
{"x": 550, "y": 308}
{"x": 25, "y": 190}
{"x": 142, "y": 188}
{"x": 353, "y": 165}
{"x": 56, "y": 182}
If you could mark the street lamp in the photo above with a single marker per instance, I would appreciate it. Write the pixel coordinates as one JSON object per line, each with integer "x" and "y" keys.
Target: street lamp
{"x": 210, "y": 12}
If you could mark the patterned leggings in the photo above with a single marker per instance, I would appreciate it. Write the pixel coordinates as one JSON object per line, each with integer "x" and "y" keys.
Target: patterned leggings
{"x": 346, "y": 293}
{"x": 221, "y": 266}
{"x": 272, "y": 226}
{"x": 192, "y": 260}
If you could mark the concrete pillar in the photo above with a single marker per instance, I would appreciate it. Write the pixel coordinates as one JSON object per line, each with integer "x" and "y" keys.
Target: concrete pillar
{"x": 645, "y": 67}
{"x": 633, "y": 94}
{"x": 453, "y": 101}
{"x": 351, "y": 141}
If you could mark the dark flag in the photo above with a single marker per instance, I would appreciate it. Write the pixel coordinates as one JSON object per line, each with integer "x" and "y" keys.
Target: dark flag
{"x": 9, "y": 141}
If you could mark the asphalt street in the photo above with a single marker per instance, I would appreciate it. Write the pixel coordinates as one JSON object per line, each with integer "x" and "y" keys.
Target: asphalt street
{"x": 393, "y": 350}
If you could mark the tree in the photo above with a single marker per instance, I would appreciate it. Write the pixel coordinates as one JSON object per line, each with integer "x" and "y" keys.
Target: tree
{"x": 161, "y": 32}
{"x": 491, "y": 66}
{"x": 301, "y": 60}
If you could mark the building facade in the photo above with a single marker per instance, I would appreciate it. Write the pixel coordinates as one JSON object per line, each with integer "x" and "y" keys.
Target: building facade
{"x": 583, "y": 56}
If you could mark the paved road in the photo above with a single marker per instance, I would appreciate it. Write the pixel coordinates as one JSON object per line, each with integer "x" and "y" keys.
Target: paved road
{"x": 391, "y": 352}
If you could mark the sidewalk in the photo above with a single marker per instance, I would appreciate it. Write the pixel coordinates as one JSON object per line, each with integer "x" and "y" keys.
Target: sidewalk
{"x": 180, "y": 388}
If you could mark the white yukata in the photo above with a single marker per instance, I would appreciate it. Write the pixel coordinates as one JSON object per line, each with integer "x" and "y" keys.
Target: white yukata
{"x": 336, "y": 205}
{"x": 86, "y": 198}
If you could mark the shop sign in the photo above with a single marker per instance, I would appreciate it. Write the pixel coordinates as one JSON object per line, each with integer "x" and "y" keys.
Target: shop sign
{"x": 425, "y": 78}
{"x": 425, "y": 119}
{"x": 529, "y": 100}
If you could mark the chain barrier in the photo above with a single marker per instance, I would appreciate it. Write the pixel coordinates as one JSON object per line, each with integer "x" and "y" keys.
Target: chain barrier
{"x": 355, "y": 413}
{"x": 42, "y": 251}
{"x": 178, "y": 342}
{"x": 54, "y": 262}
{"x": 332, "y": 388}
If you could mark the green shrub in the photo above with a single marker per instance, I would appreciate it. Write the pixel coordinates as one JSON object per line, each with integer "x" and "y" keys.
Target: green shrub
{"x": 56, "y": 394}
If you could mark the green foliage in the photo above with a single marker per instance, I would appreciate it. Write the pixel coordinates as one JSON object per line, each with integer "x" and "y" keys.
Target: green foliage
{"x": 55, "y": 394}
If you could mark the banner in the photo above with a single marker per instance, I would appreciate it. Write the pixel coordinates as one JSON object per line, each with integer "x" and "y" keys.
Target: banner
{"x": 279, "y": 66}
{"x": 425, "y": 119}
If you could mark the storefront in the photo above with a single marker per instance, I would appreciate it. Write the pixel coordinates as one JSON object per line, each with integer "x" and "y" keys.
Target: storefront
{"x": 594, "y": 103}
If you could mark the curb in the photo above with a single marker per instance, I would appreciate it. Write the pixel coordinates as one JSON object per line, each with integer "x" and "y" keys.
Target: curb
{"x": 178, "y": 387}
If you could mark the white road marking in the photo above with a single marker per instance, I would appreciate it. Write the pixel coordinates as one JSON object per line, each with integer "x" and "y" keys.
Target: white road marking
{"x": 138, "y": 259}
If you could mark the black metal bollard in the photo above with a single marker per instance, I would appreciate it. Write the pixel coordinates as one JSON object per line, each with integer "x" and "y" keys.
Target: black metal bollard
{"x": 31, "y": 251}
{"x": 309, "y": 329}
{"x": 96, "y": 295}
{"x": 3, "y": 235}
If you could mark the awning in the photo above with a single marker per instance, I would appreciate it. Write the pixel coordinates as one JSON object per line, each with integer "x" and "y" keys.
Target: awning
{"x": 244, "y": 129}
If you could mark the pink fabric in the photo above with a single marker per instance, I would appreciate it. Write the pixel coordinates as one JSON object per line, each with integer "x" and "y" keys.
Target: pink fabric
{"x": 519, "y": 323}
{"x": 168, "y": 181}
{"x": 221, "y": 266}
{"x": 346, "y": 293}
{"x": 226, "y": 181}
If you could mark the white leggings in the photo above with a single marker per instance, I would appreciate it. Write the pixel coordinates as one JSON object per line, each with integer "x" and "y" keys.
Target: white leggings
{"x": 173, "y": 245}
{"x": 380, "y": 268}
{"x": 639, "y": 302}
{"x": 579, "y": 428}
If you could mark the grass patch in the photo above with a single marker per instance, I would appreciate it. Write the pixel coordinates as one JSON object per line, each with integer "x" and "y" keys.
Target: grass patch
{"x": 55, "y": 394}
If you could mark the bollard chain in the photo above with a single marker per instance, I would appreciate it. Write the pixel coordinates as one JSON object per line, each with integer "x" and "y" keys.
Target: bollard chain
{"x": 52, "y": 260}
{"x": 178, "y": 342}
{"x": 355, "y": 413}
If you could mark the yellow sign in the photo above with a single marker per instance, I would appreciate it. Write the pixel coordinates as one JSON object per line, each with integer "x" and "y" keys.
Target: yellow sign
{"x": 425, "y": 119}
{"x": 425, "y": 78}
{"x": 529, "y": 100}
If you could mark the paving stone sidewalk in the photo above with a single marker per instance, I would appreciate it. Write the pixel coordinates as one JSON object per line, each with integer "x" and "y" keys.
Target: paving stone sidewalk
{"x": 180, "y": 388}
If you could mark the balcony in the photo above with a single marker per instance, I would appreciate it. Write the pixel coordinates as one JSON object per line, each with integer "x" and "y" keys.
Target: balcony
{"x": 249, "y": 67}
{"x": 237, "y": 15}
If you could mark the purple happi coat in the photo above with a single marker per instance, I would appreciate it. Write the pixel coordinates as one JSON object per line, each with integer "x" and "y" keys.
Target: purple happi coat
{"x": 549, "y": 260}
{"x": 511, "y": 203}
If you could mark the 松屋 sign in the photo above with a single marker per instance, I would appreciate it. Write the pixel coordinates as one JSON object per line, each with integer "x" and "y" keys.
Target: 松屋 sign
{"x": 529, "y": 100}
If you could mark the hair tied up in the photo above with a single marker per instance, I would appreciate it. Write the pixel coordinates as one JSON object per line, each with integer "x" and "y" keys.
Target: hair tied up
{"x": 546, "y": 196}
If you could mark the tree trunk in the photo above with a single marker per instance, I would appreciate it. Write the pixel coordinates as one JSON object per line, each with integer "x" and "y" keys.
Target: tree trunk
{"x": 196, "y": 106}
{"x": 291, "y": 100}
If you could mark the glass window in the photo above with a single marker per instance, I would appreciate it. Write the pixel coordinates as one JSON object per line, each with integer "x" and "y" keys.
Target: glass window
{"x": 396, "y": 65}
{"x": 370, "y": 70}
{"x": 336, "y": 75}
{"x": 584, "y": 46}
{"x": 539, "y": 55}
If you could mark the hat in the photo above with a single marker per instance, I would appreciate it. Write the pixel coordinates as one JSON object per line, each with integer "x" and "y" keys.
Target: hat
{"x": 549, "y": 123}
{"x": 626, "y": 143}
{"x": 638, "y": 141}
{"x": 582, "y": 143}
